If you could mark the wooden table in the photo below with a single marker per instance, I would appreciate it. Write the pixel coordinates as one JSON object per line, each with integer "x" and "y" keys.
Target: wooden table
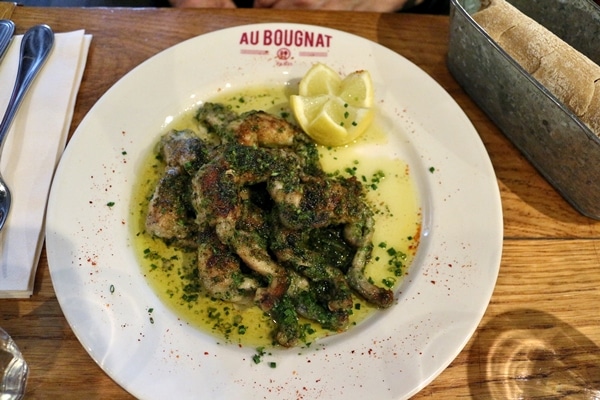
{"x": 542, "y": 327}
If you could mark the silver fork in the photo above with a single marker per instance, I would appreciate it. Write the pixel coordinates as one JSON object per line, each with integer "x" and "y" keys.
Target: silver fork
{"x": 35, "y": 48}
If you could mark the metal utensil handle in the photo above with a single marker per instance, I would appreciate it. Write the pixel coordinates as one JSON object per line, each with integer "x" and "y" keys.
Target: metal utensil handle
{"x": 7, "y": 29}
{"x": 35, "y": 48}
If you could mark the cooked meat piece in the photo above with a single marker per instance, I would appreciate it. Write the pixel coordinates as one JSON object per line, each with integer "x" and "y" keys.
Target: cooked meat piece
{"x": 220, "y": 271}
{"x": 257, "y": 128}
{"x": 314, "y": 202}
{"x": 183, "y": 149}
{"x": 214, "y": 117}
{"x": 170, "y": 215}
{"x": 360, "y": 234}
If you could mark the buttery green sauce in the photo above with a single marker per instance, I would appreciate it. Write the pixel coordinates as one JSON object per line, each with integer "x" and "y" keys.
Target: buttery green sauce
{"x": 390, "y": 191}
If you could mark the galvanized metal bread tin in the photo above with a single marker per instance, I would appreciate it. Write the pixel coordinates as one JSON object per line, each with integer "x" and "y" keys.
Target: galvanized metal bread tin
{"x": 564, "y": 150}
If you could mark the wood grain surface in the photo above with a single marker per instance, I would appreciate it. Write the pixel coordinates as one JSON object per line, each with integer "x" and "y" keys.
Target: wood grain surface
{"x": 540, "y": 337}
{"x": 6, "y": 9}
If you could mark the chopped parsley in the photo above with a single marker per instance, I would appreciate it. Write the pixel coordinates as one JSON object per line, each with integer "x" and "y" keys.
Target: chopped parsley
{"x": 260, "y": 353}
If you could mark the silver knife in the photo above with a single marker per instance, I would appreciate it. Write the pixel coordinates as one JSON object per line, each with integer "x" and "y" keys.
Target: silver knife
{"x": 7, "y": 29}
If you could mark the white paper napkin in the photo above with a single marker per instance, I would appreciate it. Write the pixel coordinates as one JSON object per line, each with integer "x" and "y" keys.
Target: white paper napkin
{"x": 31, "y": 152}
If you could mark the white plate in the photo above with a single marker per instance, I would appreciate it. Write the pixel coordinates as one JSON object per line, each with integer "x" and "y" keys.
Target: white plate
{"x": 391, "y": 356}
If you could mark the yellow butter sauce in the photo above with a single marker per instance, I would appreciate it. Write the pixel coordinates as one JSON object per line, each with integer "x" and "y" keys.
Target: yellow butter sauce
{"x": 390, "y": 191}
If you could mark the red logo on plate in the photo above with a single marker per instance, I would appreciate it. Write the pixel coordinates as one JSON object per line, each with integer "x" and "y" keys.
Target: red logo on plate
{"x": 289, "y": 42}
{"x": 284, "y": 53}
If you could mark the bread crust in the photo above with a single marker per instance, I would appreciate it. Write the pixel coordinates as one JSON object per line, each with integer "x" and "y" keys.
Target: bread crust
{"x": 568, "y": 74}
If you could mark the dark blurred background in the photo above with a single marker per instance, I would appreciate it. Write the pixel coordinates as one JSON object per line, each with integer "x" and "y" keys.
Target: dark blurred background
{"x": 429, "y": 6}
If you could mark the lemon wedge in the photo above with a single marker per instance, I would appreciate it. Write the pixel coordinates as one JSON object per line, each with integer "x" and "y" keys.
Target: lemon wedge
{"x": 331, "y": 110}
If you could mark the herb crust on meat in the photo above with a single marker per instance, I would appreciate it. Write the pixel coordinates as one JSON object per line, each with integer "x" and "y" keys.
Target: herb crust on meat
{"x": 269, "y": 226}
